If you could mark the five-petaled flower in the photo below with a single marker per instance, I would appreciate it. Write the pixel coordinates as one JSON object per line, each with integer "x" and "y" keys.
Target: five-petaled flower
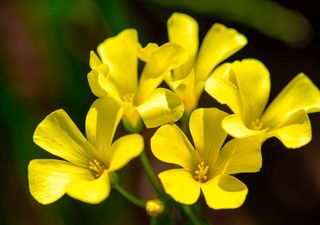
{"x": 245, "y": 85}
{"x": 205, "y": 167}
{"x": 84, "y": 174}
{"x": 187, "y": 80}
{"x": 116, "y": 75}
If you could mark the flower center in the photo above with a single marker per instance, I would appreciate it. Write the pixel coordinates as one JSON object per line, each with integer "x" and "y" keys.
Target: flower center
{"x": 97, "y": 167}
{"x": 201, "y": 174}
{"x": 128, "y": 97}
{"x": 256, "y": 124}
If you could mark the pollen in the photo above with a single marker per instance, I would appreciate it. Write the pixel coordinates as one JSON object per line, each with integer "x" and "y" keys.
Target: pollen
{"x": 256, "y": 124}
{"x": 201, "y": 174}
{"x": 97, "y": 167}
{"x": 128, "y": 97}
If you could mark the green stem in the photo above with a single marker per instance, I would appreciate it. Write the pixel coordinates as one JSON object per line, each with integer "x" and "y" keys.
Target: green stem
{"x": 153, "y": 220}
{"x": 150, "y": 174}
{"x": 130, "y": 197}
{"x": 189, "y": 212}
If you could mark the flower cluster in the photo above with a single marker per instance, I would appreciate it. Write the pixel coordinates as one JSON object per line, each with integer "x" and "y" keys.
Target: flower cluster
{"x": 208, "y": 162}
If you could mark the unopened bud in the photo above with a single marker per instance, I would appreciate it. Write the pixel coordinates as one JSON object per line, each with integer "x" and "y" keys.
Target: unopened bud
{"x": 154, "y": 207}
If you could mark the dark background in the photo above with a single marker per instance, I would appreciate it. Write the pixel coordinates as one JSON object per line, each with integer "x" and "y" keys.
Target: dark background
{"x": 44, "y": 46}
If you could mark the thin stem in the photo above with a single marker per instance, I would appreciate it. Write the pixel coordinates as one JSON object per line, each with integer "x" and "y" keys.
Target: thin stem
{"x": 150, "y": 174}
{"x": 189, "y": 212}
{"x": 153, "y": 220}
{"x": 130, "y": 197}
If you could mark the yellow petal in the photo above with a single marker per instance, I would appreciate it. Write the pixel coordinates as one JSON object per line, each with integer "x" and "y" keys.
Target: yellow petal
{"x": 239, "y": 156}
{"x": 299, "y": 94}
{"x": 207, "y": 133}
{"x": 183, "y": 31}
{"x": 253, "y": 82}
{"x": 169, "y": 144}
{"x": 48, "y": 178}
{"x": 185, "y": 90}
{"x": 99, "y": 80}
{"x": 295, "y": 132}
{"x": 120, "y": 53}
{"x": 162, "y": 106}
{"x": 235, "y": 127}
{"x": 223, "y": 90}
{"x": 146, "y": 53}
{"x": 166, "y": 58}
{"x": 180, "y": 185}
{"x": 219, "y": 43}
{"x": 90, "y": 191}
{"x": 94, "y": 60}
{"x": 101, "y": 85}
{"x": 224, "y": 192}
{"x": 101, "y": 123}
{"x": 58, "y": 135}
{"x": 124, "y": 149}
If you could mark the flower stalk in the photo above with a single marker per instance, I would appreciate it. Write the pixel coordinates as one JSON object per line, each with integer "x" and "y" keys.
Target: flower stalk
{"x": 130, "y": 197}
{"x": 150, "y": 174}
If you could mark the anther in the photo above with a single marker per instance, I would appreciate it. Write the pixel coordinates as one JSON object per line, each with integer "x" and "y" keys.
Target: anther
{"x": 201, "y": 174}
{"x": 97, "y": 167}
{"x": 128, "y": 97}
{"x": 256, "y": 124}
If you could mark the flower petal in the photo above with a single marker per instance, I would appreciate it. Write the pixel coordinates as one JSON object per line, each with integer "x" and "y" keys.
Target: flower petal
{"x": 161, "y": 61}
{"x": 94, "y": 80}
{"x": 207, "y": 133}
{"x": 239, "y": 156}
{"x": 120, "y": 53}
{"x": 124, "y": 149}
{"x": 162, "y": 106}
{"x": 146, "y": 53}
{"x": 180, "y": 185}
{"x": 90, "y": 191}
{"x": 48, "y": 178}
{"x": 235, "y": 127}
{"x": 295, "y": 132}
{"x": 169, "y": 144}
{"x": 223, "y": 90}
{"x": 101, "y": 86}
{"x": 58, "y": 135}
{"x": 185, "y": 90}
{"x": 224, "y": 192}
{"x": 219, "y": 43}
{"x": 101, "y": 123}
{"x": 253, "y": 81}
{"x": 183, "y": 31}
{"x": 299, "y": 94}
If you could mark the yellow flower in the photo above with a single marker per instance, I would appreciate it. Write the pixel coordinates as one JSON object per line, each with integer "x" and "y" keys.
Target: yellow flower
{"x": 187, "y": 80}
{"x": 116, "y": 75}
{"x": 84, "y": 174}
{"x": 244, "y": 86}
{"x": 205, "y": 167}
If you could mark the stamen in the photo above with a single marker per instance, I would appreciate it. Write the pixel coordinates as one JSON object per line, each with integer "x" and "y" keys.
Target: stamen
{"x": 97, "y": 167}
{"x": 256, "y": 124}
{"x": 128, "y": 97}
{"x": 201, "y": 174}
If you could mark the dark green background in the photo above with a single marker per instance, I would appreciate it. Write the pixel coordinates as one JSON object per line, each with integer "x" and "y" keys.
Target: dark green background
{"x": 44, "y": 46}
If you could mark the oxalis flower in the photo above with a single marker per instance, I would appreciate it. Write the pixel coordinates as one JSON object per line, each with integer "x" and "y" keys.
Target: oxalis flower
{"x": 187, "y": 80}
{"x": 84, "y": 172}
{"x": 116, "y": 75}
{"x": 205, "y": 167}
{"x": 245, "y": 85}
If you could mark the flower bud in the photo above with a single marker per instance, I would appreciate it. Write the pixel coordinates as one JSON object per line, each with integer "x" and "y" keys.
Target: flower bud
{"x": 154, "y": 207}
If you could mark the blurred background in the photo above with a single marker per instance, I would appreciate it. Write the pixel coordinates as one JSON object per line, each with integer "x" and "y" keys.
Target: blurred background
{"x": 44, "y": 46}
